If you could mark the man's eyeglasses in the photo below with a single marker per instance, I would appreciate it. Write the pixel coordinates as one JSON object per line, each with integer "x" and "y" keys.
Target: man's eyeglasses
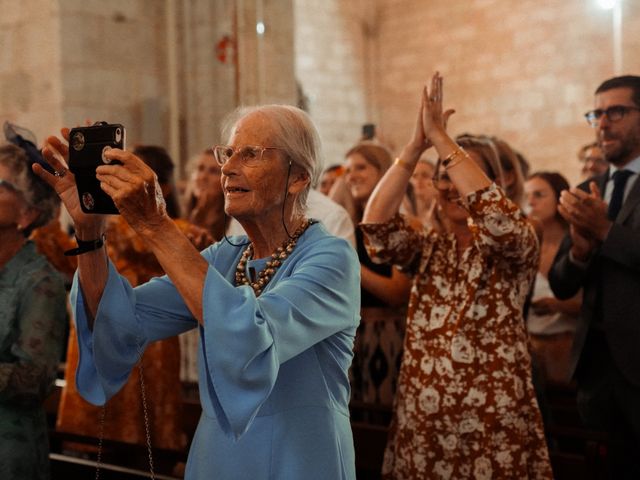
{"x": 613, "y": 114}
{"x": 249, "y": 154}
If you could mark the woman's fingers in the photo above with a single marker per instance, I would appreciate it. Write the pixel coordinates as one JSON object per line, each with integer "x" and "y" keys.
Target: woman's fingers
{"x": 109, "y": 190}
{"x": 121, "y": 172}
{"x": 445, "y": 117}
{"x": 436, "y": 88}
{"x": 58, "y": 146}
{"x": 65, "y": 133}
{"x": 132, "y": 180}
{"x": 129, "y": 161}
{"x": 47, "y": 177}
{"x": 120, "y": 183}
{"x": 55, "y": 153}
{"x": 126, "y": 194}
{"x": 132, "y": 185}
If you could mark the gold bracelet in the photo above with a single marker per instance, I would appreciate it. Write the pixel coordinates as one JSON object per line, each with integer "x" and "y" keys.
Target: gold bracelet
{"x": 401, "y": 163}
{"x": 454, "y": 158}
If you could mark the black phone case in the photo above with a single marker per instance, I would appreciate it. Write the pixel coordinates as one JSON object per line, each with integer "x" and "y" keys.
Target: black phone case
{"x": 86, "y": 148}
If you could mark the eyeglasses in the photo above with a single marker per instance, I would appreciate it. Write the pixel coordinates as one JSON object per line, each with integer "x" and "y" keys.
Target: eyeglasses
{"x": 440, "y": 179}
{"x": 249, "y": 154}
{"x": 613, "y": 114}
{"x": 9, "y": 186}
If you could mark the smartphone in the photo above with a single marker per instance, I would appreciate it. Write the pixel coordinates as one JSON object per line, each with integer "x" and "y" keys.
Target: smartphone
{"x": 87, "y": 146}
{"x": 368, "y": 131}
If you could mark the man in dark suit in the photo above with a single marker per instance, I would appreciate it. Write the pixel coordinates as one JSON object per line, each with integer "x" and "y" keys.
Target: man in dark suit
{"x": 602, "y": 255}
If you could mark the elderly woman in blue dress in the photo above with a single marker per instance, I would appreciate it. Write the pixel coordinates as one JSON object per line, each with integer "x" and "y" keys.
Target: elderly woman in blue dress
{"x": 33, "y": 315}
{"x": 277, "y": 310}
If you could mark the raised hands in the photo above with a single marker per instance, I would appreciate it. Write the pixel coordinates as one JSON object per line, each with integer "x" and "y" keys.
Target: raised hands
{"x": 586, "y": 211}
{"x": 430, "y": 118}
{"x": 434, "y": 119}
{"x": 587, "y": 217}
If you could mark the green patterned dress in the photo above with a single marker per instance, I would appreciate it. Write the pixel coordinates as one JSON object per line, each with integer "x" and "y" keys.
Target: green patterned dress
{"x": 32, "y": 323}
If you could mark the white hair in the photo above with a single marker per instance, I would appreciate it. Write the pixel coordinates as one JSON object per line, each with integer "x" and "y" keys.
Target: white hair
{"x": 294, "y": 133}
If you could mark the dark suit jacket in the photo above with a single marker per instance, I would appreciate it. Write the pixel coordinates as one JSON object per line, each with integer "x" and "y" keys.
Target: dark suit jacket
{"x": 611, "y": 283}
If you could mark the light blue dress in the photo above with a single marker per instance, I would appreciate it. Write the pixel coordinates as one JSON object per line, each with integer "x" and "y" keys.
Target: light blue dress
{"x": 273, "y": 370}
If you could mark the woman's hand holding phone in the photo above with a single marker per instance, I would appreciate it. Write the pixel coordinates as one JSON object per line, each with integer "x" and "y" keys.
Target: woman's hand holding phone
{"x": 55, "y": 153}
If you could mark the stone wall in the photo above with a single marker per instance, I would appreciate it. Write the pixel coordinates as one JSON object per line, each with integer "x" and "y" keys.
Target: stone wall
{"x": 161, "y": 68}
{"x": 30, "y": 65}
{"x": 114, "y": 66}
{"x": 331, "y": 68}
{"x": 524, "y": 70}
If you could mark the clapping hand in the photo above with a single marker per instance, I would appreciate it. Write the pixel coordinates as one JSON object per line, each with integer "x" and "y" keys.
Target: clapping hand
{"x": 434, "y": 119}
{"x": 586, "y": 212}
{"x": 430, "y": 113}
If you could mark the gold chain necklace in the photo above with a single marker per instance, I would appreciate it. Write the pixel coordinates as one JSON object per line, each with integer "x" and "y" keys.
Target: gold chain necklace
{"x": 277, "y": 258}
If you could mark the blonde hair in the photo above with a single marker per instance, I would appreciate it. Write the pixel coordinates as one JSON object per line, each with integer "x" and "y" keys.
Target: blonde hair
{"x": 377, "y": 155}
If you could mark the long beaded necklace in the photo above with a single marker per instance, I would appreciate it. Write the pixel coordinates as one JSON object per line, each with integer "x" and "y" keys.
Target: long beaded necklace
{"x": 277, "y": 258}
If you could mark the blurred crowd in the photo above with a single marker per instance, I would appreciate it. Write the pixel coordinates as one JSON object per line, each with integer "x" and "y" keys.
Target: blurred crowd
{"x": 483, "y": 281}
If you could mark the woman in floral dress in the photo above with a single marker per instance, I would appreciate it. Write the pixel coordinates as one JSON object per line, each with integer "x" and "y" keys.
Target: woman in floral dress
{"x": 465, "y": 406}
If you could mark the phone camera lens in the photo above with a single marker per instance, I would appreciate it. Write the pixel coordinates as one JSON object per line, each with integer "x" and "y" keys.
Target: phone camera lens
{"x": 118, "y": 134}
{"x": 77, "y": 141}
{"x": 105, "y": 159}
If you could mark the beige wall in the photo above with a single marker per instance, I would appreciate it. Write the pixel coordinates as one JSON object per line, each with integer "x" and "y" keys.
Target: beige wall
{"x": 151, "y": 65}
{"x": 331, "y": 68}
{"x": 114, "y": 66}
{"x": 30, "y": 69}
{"x": 524, "y": 70}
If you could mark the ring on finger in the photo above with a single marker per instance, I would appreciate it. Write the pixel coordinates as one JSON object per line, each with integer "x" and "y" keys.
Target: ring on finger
{"x": 60, "y": 173}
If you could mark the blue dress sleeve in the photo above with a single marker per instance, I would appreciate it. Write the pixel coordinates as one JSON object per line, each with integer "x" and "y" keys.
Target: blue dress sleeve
{"x": 314, "y": 297}
{"x": 126, "y": 321}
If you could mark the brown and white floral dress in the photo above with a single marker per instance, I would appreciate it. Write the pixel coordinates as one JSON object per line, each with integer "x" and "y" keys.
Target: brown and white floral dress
{"x": 465, "y": 404}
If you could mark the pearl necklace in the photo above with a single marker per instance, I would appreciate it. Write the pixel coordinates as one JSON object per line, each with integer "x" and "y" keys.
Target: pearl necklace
{"x": 277, "y": 258}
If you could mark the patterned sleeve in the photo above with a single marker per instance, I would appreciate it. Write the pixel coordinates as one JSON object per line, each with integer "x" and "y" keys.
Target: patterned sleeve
{"x": 394, "y": 242}
{"x": 500, "y": 228}
{"x": 42, "y": 316}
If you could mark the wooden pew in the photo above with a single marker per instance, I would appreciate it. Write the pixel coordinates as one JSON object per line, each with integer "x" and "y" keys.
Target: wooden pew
{"x": 65, "y": 466}
{"x": 576, "y": 451}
